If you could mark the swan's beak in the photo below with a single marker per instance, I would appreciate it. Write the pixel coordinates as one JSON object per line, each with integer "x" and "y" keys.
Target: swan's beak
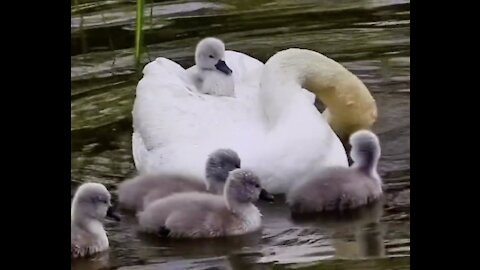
{"x": 112, "y": 214}
{"x": 222, "y": 66}
{"x": 265, "y": 196}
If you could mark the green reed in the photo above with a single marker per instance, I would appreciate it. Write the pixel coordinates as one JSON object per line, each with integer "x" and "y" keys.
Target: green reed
{"x": 139, "y": 22}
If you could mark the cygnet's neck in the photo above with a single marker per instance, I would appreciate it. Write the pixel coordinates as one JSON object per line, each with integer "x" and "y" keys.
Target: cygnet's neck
{"x": 215, "y": 186}
{"x": 87, "y": 224}
{"x": 367, "y": 163}
{"x": 235, "y": 206}
{"x": 216, "y": 83}
{"x": 215, "y": 179}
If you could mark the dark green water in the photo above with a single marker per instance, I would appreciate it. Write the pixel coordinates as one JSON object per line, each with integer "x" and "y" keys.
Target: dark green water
{"x": 370, "y": 37}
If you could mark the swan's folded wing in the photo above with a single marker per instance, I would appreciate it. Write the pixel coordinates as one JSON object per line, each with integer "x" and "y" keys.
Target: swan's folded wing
{"x": 173, "y": 124}
{"x": 163, "y": 72}
{"x": 246, "y": 69}
{"x": 139, "y": 151}
{"x": 163, "y": 81}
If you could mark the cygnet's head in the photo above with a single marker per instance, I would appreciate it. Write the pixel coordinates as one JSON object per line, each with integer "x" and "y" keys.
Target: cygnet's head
{"x": 210, "y": 55}
{"x": 243, "y": 186}
{"x": 219, "y": 164}
{"x": 92, "y": 201}
{"x": 365, "y": 151}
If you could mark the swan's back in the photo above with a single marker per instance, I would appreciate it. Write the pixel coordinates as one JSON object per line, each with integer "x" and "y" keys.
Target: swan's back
{"x": 134, "y": 194}
{"x": 175, "y": 126}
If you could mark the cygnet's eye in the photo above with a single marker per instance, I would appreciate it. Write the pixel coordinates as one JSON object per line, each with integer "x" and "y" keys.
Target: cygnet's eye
{"x": 257, "y": 185}
{"x": 102, "y": 200}
{"x": 211, "y": 56}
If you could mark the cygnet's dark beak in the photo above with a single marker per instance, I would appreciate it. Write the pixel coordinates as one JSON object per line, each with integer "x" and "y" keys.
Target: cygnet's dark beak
{"x": 111, "y": 213}
{"x": 222, "y": 66}
{"x": 265, "y": 196}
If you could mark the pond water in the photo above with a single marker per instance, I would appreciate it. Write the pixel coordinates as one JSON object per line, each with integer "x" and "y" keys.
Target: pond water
{"x": 369, "y": 37}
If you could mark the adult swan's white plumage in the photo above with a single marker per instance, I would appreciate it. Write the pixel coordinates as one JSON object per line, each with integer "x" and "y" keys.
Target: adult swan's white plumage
{"x": 271, "y": 122}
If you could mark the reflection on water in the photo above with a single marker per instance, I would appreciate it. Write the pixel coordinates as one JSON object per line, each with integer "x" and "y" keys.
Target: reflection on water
{"x": 369, "y": 37}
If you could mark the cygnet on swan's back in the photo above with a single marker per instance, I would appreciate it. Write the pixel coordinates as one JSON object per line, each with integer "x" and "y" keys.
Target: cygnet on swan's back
{"x": 90, "y": 205}
{"x": 211, "y": 74}
{"x": 339, "y": 188}
{"x": 134, "y": 194}
{"x": 203, "y": 215}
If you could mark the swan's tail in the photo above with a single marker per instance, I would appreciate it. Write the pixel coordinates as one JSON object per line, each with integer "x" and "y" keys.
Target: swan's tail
{"x": 139, "y": 151}
{"x": 365, "y": 150}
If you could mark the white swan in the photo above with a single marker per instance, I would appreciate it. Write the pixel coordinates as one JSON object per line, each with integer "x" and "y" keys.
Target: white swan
{"x": 271, "y": 122}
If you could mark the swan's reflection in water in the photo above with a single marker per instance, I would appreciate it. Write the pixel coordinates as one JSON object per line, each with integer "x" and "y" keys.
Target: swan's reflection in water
{"x": 97, "y": 262}
{"x": 285, "y": 239}
{"x": 354, "y": 234}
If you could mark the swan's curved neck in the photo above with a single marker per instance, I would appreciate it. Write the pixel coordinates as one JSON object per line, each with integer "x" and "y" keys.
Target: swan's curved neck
{"x": 349, "y": 104}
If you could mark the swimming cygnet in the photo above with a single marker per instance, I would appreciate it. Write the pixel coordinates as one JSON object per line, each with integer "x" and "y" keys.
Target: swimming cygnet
{"x": 90, "y": 205}
{"x": 136, "y": 193}
{"x": 204, "y": 215}
{"x": 340, "y": 188}
{"x": 211, "y": 74}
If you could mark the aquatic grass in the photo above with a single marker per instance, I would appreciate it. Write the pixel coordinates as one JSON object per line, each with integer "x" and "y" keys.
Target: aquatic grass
{"x": 83, "y": 38}
{"x": 139, "y": 21}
